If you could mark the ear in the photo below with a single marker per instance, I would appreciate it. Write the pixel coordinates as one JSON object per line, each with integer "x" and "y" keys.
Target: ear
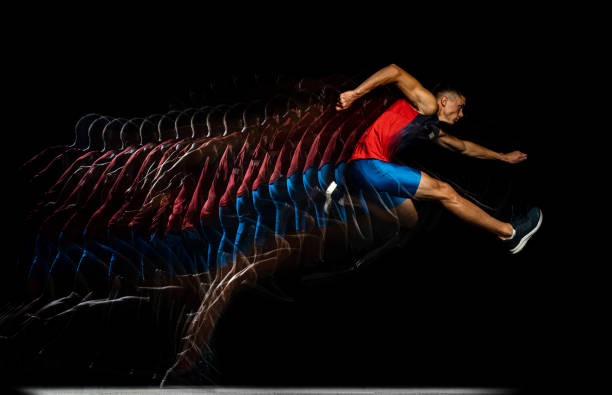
{"x": 443, "y": 101}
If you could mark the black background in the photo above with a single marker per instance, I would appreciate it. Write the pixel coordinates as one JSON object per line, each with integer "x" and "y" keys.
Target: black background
{"x": 451, "y": 310}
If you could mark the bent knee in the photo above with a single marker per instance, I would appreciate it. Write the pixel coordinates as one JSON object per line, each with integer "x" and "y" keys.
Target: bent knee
{"x": 446, "y": 193}
{"x": 433, "y": 189}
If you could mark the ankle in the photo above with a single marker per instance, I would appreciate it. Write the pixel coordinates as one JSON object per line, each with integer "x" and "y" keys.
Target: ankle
{"x": 508, "y": 233}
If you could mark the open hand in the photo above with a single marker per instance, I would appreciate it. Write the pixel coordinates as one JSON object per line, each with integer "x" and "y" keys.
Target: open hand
{"x": 346, "y": 99}
{"x": 515, "y": 157}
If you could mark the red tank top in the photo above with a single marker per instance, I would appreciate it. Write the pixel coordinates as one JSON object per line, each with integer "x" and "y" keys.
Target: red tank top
{"x": 378, "y": 140}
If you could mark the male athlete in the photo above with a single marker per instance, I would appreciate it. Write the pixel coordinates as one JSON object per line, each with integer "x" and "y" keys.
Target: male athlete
{"x": 370, "y": 166}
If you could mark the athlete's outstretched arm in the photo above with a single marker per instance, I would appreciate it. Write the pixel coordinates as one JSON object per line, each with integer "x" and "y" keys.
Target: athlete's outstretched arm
{"x": 422, "y": 99}
{"x": 476, "y": 151}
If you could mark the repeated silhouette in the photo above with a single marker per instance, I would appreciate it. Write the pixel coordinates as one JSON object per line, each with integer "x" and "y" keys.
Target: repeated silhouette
{"x": 205, "y": 199}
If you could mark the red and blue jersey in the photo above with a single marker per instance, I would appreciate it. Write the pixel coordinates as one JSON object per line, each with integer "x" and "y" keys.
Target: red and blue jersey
{"x": 397, "y": 127}
{"x": 379, "y": 140}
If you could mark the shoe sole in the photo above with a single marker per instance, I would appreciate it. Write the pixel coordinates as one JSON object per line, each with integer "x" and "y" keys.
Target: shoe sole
{"x": 526, "y": 238}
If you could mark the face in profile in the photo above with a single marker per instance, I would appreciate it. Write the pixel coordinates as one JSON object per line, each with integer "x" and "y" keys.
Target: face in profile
{"x": 450, "y": 108}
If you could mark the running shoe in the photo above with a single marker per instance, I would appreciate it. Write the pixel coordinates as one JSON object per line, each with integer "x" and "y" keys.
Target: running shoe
{"x": 525, "y": 227}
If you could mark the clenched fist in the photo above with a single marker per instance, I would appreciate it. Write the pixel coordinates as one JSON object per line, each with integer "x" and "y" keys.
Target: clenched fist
{"x": 514, "y": 157}
{"x": 346, "y": 99}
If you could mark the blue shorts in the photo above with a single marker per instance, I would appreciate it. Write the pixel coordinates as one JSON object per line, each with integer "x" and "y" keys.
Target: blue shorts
{"x": 228, "y": 217}
{"x": 266, "y": 214}
{"x": 382, "y": 182}
{"x": 310, "y": 179}
{"x": 339, "y": 173}
{"x": 327, "y": 174}
{"x": 211, "y": 233}
{"x": 297, "y": 193}
{"x": 283, "y": 205}
{"x": 247, "y": 219}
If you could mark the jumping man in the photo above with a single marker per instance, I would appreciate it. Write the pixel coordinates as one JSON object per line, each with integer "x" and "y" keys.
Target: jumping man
{"x": 370, "y": 167}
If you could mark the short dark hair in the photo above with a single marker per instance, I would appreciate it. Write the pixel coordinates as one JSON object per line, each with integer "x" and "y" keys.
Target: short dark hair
{"x": 447, "y": 87}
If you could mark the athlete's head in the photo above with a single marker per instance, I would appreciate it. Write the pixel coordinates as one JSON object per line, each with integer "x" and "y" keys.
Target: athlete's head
{"x": 450, "y": 102}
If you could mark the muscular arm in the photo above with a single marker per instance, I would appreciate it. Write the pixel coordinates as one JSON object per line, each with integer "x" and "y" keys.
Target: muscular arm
{"x": 474, "y": 150}
{"x": 423, "y": 100}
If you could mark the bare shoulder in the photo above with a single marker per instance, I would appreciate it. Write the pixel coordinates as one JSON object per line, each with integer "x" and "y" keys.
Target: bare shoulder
{"x": 427, "y": 103}
{"x": 420, "y": 97}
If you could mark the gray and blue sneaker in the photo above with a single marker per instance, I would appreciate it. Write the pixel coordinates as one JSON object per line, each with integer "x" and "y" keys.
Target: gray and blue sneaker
{"x": 524, "y": 228}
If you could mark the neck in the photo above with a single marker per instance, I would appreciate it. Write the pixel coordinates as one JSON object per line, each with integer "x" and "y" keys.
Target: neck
{"x": 441, "y": 116}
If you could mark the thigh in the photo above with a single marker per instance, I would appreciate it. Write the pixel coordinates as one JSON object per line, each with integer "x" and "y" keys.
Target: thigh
{"x": 396, "y": 180}
{"x": 393, "y": 209}
{"x": 263, "y": 204}
{"x": 392, "y": 184}
{"x": 326, "y": 175}
{"x": 295, "y": 187}
{"x": 311, "y": 182}
{"x": 407, "y": 213}
{"x": 279, "y": 193}
{"x": 430, "y": 188}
